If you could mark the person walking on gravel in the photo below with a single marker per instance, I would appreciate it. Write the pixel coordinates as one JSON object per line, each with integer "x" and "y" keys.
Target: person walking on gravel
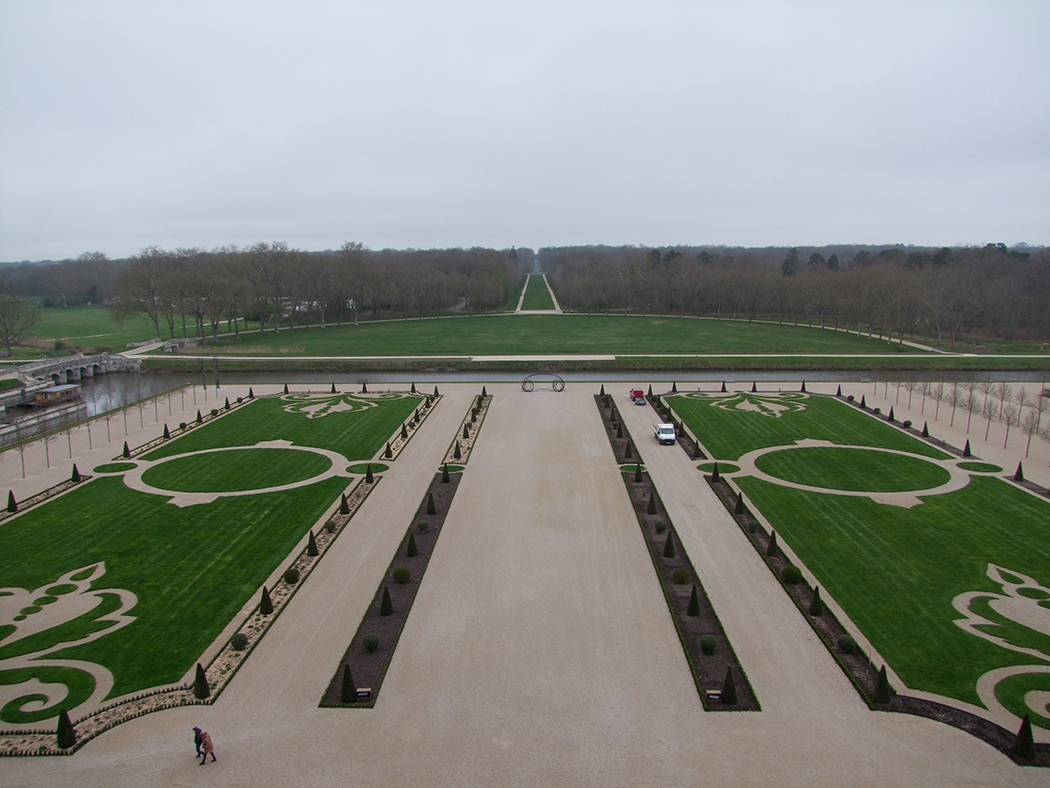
{"x": 208, "y": 747}
{"x": 198, "y": 740}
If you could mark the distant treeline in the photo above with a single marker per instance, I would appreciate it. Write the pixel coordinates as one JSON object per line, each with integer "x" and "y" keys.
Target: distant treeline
{"x": 276, "y": 285}
{"x": 991, "y": 291}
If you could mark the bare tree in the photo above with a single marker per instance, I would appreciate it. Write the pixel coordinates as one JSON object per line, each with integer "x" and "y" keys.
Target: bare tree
{"x": 47, "y": 439}
{"x": 953, "y": 398}
{"x": 972, "y": 404}
{"x": 1002, "y": 392}
{"x": 985, "y": 387}
{"x": 938, "y": 394}
{"x": 910, "y": 387}
{"x": 1012, "y": 417}
{"x": 988, "y": 411}
{"x": 1030, "y": 425}
{"x": 927, "y": 389}
{"x": 17, "y": 316}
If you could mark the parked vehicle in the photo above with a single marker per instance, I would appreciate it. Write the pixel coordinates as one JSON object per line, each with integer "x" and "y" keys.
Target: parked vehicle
{"x": 638, "y": 396}
{"x": 664, "y": 433}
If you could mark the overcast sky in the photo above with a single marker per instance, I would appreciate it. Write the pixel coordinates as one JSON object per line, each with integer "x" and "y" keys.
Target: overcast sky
{"x": 396, "y": 124}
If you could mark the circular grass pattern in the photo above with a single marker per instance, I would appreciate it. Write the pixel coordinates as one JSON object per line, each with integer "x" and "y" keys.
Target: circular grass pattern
{"x": 453, "y": 468}
{"x": 236, "y": 470}
{"x": 362, "y": 467}
{"x": 723, "y": 467}
{"x": 856, "y": 470}
{"x": 115, "y": 467}
{"x": 980, "y": 467}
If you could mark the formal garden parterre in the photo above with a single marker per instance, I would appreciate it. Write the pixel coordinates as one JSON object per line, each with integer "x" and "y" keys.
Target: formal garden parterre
{"x": 949, "y": 585}
{"x": 133, "y": 590}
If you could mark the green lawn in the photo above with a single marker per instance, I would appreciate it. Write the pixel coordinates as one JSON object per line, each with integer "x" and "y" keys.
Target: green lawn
{"x": 90, "y": 327}
{"x": 731, "y": 431}
{"x": 537, "y": 296}
{"x": 895, "y": 571}
{"x": 192, "y": 568}
{"x": 555, "y": 334}
{"x": 235, "y": 470}
{"x": 852, "y": 469}
{"x": 357, "y": 434}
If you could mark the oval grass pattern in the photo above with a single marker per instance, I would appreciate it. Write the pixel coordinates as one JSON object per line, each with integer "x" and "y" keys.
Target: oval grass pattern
{"x": 723, "y": 467}
{"x": 855, "y": 470}
{"x": 980, "y": 467}
{"x": 115, "y": 467}
{"x": 362, "y": 467}
{"x": 236, "y": 470}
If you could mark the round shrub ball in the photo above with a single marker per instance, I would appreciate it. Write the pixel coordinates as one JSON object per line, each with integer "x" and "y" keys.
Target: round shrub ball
{"x": 182, "y": 425}
{"x": 680, "y": 576}
{"x": 291, "y": 575}
{"x": 330, "y": 525}
{"x": 401, "y": 575}
{"x": 850, "y": 397}
{"x": 240, "y": 400}
{"x": 847, "y": 644}
{"x": 791, "y": 574}
{"x": 877, "y": 411}
{"x": 214, "y": 412}
{"x": 661, "y": 527}
{"x": 907, "y": 423}
{"x": 752, "y": 527}
{"x": 708, "y": 644}
{"x": 423, "y": 526}
{"x": 371, "y": 643}
{"x": 239, "y": 641}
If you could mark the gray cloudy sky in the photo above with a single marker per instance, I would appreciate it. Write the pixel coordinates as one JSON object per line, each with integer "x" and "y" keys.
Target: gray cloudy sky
{"x": 400, "y": 124}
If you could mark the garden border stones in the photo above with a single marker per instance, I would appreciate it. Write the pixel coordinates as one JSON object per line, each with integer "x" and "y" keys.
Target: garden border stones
{"x": 709, "y": 671}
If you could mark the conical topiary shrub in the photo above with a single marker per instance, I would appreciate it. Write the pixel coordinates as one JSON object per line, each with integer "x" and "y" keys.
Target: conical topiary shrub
{"x": 925, "y": 429}
{"x": 816, "y": 607}
{"x": 863, "y": 403}
{"x": 413, "y": 389}
{"x": 369, "y": 476}
{"x": 457, "y": 454}
{"x": 127, "y": 452}
{"x": 669, "y": 546}
{"x": 466, "y": 432}
{"x": 364, "y": 388}
{"x": 386, "y": 607}
{"x": 714, "y": 474}
{"x": 444, "y": 474}
{"x": 436, "y": 392}
{"x": 724, "y": 387}
{"x": 694, "y": 603}
{"x": 266, "y": 603}
{"x": 602, "y": 392}
{"x": 619, "y": 429}
{"x": 674, "y": 387}
{"x": 411, "y": 550}
{"x": 388, "y": 453}
{"x": 739, "y": 508}
{"x": 651, "y": 507}
{"x": 729, "y": 689}
{"x": 431, "y": 508}
{"x": 1019, "y": 474}
{"x": 66, "y": 737}
{"x": 771, "y": 548}
{"x": 167, "y": 434}
{"x": 627, "y": 452}
{"x": 882, "y": 688}
{"x": 966, "y": 449}
{"x": 344, "y": 506}
{"x": 201, "y": 690}
{"x": 251, "y": 394}
{"x": 348, "y": 691}
{"x": 404, "y": 431}
{"x": 285, "y": 388}
{"x": 696, "y": 451}
{"x": 803, "y": 387}
{"x": 311, "y": 545}
{"x": 483, "y": 395}
{"x": 839, "y": 392}
{"x": 890, "y": 417}
{"x": 12, "y": 504}
{"x": 75, "y": 476}
{"x": 227, "y": 406}
{"x": 1024, "y": 744}
{"x": 754, "y": 387}
{"x": 637, "y": 473}
{"x": 650, "y": 394}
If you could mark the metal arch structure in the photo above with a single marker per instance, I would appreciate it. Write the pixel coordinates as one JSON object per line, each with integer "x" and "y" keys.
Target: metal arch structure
{"x": 528, "y": 383}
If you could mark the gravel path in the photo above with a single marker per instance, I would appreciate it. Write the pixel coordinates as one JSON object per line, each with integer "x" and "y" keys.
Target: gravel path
{"x": 539, "y": 650}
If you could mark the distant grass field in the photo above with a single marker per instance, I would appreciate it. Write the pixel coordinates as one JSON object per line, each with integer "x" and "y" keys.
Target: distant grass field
{"x": 553, "y": 334}
{"x": 537, "y": 296}
{"x": 193, "y": 568}
{"x": 731, "y": 431}
{"x": 895, "y": 571}
{"x": 90, "y": 327}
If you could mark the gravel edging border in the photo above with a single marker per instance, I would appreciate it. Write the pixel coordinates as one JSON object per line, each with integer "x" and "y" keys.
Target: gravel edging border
{"x": 708, "y": 670}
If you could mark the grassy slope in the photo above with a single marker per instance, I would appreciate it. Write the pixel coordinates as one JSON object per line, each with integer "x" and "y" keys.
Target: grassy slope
{"x": 559, "y": 334}
{"x": 730, "y": 434}
{"x": 537, "y": 296}
{"x": 357, "y": 436}
{"x": 895, "y": 571}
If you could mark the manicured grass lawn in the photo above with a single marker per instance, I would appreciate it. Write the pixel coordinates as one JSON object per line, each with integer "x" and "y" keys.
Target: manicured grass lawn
{"x": 852, "y": 469}
{"x": 357, "y": 435}
{"x": 235, "y": 470}
{"x": 537, "y": 296}
{"x": 730, "y": 433}
{"x": 192, "y": 569}
{"x": 91, "y": 327}
{"x": 896, "y": 571}
{"x": 560, "y": 334}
